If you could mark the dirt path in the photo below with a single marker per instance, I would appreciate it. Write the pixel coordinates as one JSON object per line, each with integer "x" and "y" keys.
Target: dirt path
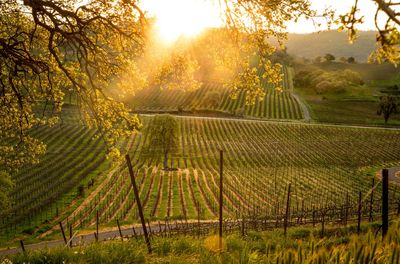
{"x": 287, "y": 122}
{"x": 304, "y": 109}
{"x": 392, "y": 174}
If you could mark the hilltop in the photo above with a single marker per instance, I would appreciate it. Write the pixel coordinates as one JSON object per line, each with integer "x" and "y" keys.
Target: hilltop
{"x": 334, "y": 42}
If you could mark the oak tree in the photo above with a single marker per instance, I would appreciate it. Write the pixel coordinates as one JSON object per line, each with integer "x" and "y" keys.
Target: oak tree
{"x": 388, "y": 105}
{"x": 163, "y": 134}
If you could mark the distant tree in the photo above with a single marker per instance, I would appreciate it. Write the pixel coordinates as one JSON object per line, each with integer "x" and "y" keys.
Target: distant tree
{"x": 388, "y": 105}
{"x": 6, "y": 185}
{"x": 281, "y": 56}
{"x": 326, "y": 86}
{"x": 343, "y": 59}
{"x": 212, "y": 99}
{"x": 177, "y": 73}
{"x": 318, "y": 59}
{"x": 240, "y": 112}
{"x": 306, "y": 60}
{"x": 163, "y": 132}
{"x": 351, "y": 60}
{"x": 329, "y": 57}
{"x": 302, "y": 78}
{"x": 393, "y": 90}
{"x": 351, "y": 77}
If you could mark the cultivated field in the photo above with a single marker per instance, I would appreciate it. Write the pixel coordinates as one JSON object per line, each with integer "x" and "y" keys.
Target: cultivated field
{"x": 323, "y": 163}
{"x": 215, "y": 97}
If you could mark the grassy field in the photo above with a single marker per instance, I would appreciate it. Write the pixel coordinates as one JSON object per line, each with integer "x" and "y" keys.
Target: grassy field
{"x": 302, "y": 245}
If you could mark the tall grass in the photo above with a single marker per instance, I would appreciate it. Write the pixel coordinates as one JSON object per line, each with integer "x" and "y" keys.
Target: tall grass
{"x": 302, "y": 245}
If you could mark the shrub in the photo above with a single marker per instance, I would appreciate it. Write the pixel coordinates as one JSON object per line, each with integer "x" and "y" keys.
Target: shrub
{"x": 212, "y": 98}
{"x": 352, "y": 77}
{"x": 329, "y": 86}
{"x": 240, "y": 112}
{"x": 29, "y": 231}
{"x": 81, "y": 190}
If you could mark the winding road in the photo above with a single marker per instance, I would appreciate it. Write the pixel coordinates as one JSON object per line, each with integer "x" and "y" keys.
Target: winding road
{"x": 392, "y": 174}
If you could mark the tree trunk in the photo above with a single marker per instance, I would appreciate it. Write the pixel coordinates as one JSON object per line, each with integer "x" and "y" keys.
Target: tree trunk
{"x": 386, "y": 118}
{"x": 165, "y": 160}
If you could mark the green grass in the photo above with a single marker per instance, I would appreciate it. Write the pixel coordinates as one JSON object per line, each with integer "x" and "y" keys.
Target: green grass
{"x": 302, "y": 245}
{"x": 356, "y": 104}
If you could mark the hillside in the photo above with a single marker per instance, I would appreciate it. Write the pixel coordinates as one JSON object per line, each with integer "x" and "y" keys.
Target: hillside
{"x": 322, "y": 162}
{"x": 351, "y": 104}
{"x": 336, "y": 43}
{"x": 215, "y": 98}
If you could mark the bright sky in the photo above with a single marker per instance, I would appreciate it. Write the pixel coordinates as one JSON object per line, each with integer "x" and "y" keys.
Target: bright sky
{"x": 190, "y": 17}
{"x": 367, "y": 9}
{"x": 182, "y": 17}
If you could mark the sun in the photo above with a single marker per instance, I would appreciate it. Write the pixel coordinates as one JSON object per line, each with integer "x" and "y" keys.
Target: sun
{"x": 175, "y": 18}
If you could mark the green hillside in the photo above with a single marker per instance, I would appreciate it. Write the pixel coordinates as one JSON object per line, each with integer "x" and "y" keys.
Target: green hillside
{"x": 350, "y": 103}
{"x": 213, "y": 97}
{"x": 318, "y": 44}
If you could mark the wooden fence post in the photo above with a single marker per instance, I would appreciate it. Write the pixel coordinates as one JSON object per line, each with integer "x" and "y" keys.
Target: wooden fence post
{"x": 139, "y": 205}
{"x": 134, "y": 233}
{"x": 120, "y": 232}
{"x": 22, "y": 245}
{"x": 70, "y": 235}
{"x": 346, "y": 212}
{"x": 371, "y": 202}
{"x": 385, "y": 202}
{"x": 243, "y": 226}
{"x": 151, "y": 232}
{"x": 323, "y": 224}
{"x": 97, "y": 225}
{"x": 285, "y": 224}
{"x": 313, "y": 216}
{"x": 221, "y": 197}
{"x": 198, "y": 220}
{"x": 359, "y": 214}
{"x": 63, "y": 233}
{"x": 398, "y": 208}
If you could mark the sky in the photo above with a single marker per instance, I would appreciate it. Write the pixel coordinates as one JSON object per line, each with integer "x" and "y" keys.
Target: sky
{"x": 190, "y": 17}
{"x": 367, "y": 9}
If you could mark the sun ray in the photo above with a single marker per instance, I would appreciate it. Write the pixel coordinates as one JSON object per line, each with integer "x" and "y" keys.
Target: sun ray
{"x": 175, "y": 18}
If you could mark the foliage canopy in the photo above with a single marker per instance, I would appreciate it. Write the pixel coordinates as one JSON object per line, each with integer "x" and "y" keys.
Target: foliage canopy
{"x": 388, "y": 105}
{"x": 163, "y": 132}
